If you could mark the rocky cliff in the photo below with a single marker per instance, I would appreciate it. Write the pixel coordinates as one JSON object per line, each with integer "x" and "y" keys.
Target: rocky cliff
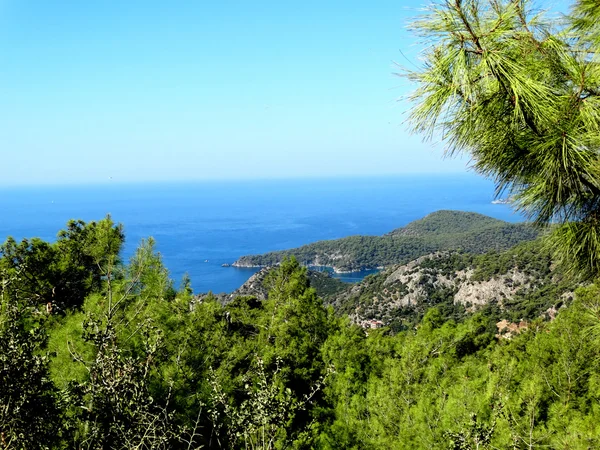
{"x": 519, "y": 284}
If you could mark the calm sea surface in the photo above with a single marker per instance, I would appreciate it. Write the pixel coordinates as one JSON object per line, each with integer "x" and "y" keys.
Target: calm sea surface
{"x": 199, "y": 226}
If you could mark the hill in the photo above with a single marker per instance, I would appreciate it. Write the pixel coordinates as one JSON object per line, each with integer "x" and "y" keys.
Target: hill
{"x": 447, "y": 222}
{"x": 518, "y": 284}
{"x": 325, "y": 285}
{"x": 521, "y": 283}
{"x": 439, "y": 231}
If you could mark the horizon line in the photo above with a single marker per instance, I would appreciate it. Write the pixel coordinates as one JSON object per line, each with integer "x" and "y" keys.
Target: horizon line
{"x": 124, "y": 182}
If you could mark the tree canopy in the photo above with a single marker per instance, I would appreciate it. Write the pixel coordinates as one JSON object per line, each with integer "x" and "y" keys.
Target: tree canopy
{"x": 519, "y": 91}
{"x": 137, "y": 364}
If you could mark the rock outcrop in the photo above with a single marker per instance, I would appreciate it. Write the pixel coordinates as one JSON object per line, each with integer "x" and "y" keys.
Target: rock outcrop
{"x": 448, "y": 279}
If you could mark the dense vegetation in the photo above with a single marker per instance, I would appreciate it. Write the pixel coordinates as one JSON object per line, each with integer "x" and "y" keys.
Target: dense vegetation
{"x": 321, "y": 280}
{"x": 519, "y": 91}
{"x": 448, "y": 222}
{"x": 130, "y": 362}
{"x": 442, "y": 230}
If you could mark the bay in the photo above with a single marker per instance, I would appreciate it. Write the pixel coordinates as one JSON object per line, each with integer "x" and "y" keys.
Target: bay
{"x": 199, "y": 226}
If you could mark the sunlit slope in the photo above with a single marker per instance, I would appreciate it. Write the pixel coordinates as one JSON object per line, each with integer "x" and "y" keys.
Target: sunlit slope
{"x": 439, "y": 231}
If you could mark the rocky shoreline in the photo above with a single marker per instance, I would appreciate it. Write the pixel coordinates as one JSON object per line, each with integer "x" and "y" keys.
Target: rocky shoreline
{"x": 438, "y": 231}
{"x": 337, "y": 270}
{"x": 245, "y": 265}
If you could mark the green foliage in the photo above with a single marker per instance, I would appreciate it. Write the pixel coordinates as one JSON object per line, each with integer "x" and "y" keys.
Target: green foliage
{"x": 251, "y": 366}
{"x": 260, "y": 421}
{"x": 140, "y": 365}
{"x": 31, "y": 407}
{"x": 292, "y": 330}
{"x": 114, "y": 405}
{"x": 473, "y": 436}
{"x": 325, "y": 284}
{"x": 448, "y": 222}
{"x": 520, "y": 94}
{"x": 585, "y": 20}
{"x": 456, "y": 386}
{"x": 65, "y": 339}
{"x": 62, "y": 274}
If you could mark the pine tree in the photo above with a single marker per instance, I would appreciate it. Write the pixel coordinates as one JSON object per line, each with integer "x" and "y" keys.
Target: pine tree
{"x": 520, "y": 93}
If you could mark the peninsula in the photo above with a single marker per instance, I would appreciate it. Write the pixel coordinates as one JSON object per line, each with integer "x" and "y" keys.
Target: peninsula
{"x": 439, "y": 231}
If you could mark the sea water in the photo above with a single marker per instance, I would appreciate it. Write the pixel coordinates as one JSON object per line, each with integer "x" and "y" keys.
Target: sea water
{"x": 198, "y": 226}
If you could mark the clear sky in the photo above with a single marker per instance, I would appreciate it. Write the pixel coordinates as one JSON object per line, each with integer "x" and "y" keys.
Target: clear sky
{"x": 172, "y": 90}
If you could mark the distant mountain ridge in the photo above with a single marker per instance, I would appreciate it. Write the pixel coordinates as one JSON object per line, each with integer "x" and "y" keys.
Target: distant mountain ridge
{"x": 443, "y": 230}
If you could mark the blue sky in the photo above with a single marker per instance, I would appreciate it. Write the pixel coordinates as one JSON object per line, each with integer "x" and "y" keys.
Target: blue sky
{"x": 175, "y": 90}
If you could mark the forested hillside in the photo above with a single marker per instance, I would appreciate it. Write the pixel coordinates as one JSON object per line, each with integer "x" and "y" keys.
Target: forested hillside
{"x": 439, "y": 231}
{"x": 119, "y": 358}
{"x": 322, "y": 282}
{"x": 519, "y": 284}
{"x": 448, "y": 222}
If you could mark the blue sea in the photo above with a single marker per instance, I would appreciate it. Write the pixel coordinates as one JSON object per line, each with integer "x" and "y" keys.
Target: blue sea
{"x": 198, "y": 226}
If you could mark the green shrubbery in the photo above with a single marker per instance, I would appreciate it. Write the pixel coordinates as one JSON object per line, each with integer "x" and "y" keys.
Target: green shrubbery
{"x": 140, "y": 365}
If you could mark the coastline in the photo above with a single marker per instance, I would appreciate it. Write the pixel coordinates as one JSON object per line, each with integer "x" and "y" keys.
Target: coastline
{"x": 309, "y": 266}
{"x": 220, "y": 221}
